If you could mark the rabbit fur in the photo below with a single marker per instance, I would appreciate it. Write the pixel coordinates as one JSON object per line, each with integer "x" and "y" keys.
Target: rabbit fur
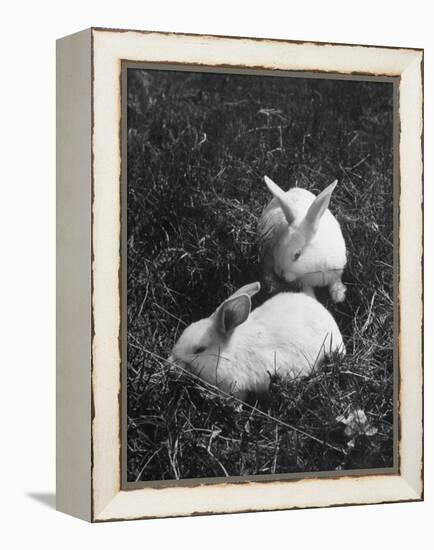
{"x": 301, "y": 242}
{"x": 238, "y": 351}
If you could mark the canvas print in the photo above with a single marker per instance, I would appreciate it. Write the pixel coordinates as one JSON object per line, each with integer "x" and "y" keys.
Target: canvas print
{"x": 259, "y": 265}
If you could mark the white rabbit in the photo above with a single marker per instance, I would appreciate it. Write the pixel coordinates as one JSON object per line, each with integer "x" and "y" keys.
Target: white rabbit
{"x": 238, "y": 351}
{"x": 301, "y": 242}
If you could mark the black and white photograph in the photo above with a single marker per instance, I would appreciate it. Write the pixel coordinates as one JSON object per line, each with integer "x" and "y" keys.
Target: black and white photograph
{"x": 216, "y": 235}
{"x": 259, "y": 266}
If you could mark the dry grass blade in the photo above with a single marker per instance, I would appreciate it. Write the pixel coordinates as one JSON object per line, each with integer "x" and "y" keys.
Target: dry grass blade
{"x": 216, "y": 391}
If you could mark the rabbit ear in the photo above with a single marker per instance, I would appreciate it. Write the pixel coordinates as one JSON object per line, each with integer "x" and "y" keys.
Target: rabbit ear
{"x": 280, "y": 195}
{"x": 232, "y": 313}
{"x": 319, "y": 206}
{"x": 250, "y": 289}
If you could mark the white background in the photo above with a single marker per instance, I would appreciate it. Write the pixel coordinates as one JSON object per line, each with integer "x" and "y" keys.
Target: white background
{"x": 27, "y": 229}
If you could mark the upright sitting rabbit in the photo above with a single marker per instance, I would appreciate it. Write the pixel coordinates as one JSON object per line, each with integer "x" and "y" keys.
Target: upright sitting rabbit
{"x": 238, "y": 351}
{"x": 301, "y": 242}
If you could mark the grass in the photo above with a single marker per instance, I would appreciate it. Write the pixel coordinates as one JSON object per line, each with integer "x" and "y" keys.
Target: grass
{"x": 198, "y": 147}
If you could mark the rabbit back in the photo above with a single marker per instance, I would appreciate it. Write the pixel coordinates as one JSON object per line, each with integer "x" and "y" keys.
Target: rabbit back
{"x": 288, "y": 336}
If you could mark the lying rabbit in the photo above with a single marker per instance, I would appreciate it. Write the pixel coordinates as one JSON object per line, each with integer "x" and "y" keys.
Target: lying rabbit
{"x": 301, "y": 242}
{"x": 238, "y": 351}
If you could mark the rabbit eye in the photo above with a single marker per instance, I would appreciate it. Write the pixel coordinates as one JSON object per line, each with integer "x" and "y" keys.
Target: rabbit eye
{"x": 199, "y": 349}
{"x": 297, "y": 255}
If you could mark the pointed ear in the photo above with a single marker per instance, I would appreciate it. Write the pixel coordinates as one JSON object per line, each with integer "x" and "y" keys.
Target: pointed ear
{"x": 280, "y": 195}
{"x": 232, "y": 313}
{"x": 319, "y": 206}
{"x": 250, "y": 289}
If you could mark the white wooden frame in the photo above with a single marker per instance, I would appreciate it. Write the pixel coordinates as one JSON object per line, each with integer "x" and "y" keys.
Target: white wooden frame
{"x": 88, "y": 262}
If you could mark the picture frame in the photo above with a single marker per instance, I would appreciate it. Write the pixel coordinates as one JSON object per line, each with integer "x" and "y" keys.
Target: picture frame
{"x": 91, "y": 310}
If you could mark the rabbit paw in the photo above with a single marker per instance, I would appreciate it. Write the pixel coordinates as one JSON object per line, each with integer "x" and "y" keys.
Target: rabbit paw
{"x": 309, "y": 291}
{"x": 337, "y": 291}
